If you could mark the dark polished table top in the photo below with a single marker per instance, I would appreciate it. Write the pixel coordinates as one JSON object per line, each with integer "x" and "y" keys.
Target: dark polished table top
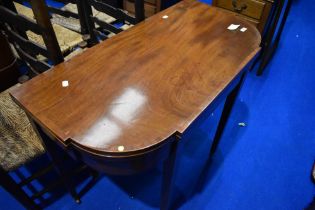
{"x": 131, "y": 92}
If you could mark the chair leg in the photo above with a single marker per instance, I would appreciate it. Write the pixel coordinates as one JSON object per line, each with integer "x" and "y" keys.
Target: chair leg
{"x": 168, "y": 175}
{"x": 53, "y": 155}
{"x": 139, "y": 10}
{"x": 228, "y": 105}
{"x": 269, "y": 38}
{"x": 83, "y": 23}
{"x": 278, "y": 35}
{"x": 120, "y": 4}
{"x": 11, "y": 186}
{"x": 86, "y": 11}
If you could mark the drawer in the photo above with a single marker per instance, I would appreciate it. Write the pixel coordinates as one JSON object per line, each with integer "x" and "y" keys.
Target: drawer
{"x": 250, "y": 8}
{"x": 149, "y": 9}
{"x": 259, "y": 25}
{"x": 253, "y": 21}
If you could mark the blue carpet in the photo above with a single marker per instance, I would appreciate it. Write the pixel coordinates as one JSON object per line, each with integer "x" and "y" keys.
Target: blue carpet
{"x": 264, "y": 165}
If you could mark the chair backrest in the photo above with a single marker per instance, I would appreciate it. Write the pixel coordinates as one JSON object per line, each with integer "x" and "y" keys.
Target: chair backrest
{"x": 9, "y": 72}
{"x": 112, "y": 9}
{"x": 77, "y": 26}
{"x": 16, "y": 27}
{"x": 78, "y": 14}
{"x": 65, "y": 13}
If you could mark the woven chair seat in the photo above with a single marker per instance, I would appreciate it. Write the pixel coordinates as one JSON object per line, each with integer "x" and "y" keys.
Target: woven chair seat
{"x": 18, "y": 141}
{"x": 66, "y": 38}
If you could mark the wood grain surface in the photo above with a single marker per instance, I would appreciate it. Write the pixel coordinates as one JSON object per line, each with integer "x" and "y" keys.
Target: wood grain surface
{"x": 133, "y": 91}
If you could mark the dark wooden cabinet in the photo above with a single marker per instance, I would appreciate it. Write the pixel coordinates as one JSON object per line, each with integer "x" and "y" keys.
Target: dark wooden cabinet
{"x": 150, "y": 7}
{"x": 255, "y": 11}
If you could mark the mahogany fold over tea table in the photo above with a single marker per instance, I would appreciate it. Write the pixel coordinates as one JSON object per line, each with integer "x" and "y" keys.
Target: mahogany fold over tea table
{"x": 130, "y": 98}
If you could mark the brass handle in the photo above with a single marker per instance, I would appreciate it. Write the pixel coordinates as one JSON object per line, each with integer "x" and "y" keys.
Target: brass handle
{"x": 240, "y": 8}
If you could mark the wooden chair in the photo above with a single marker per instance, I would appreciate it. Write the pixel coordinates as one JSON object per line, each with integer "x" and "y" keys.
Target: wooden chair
{"x": 73, "y": 20}
{"x": 104, "y": 29}
{"x": 17, "y": 26}
{"x": 69, "y": 40}
{"x": 38, "y": 42}
{"x": 19, "y": 145}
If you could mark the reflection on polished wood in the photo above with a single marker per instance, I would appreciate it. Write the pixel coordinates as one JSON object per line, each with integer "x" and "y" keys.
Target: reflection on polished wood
{"x": 131, "y": 92}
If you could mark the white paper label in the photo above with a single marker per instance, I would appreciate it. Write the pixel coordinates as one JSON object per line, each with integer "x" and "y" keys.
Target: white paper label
{"x": 233, "y": 27}
{"x": 65, "y": 83}
{"x": 243, "y": 29}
